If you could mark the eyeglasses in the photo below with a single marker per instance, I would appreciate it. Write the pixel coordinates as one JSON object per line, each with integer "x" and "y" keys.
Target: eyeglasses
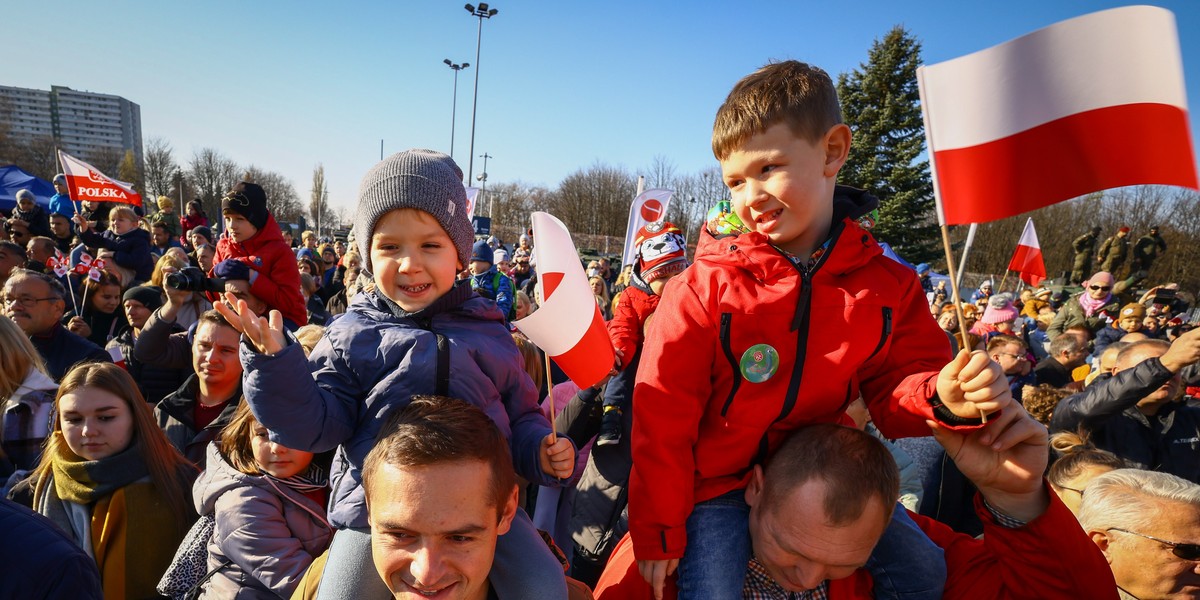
{"x": 1180, "y": 549}
{"x": 25, "y": 301}
{"x": 1100, "y": 288}
{"x": 1013, "y": 356}
{"x": 1070, "y": 489}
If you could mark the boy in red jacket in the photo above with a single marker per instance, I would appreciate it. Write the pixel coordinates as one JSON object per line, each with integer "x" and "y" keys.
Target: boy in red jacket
{"x": 789, "y": 312}
{"x": 252, "y": 236}
{"x": 661, "y": 255}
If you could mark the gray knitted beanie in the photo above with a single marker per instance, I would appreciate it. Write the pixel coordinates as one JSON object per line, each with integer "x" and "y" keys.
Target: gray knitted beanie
{"x": 422, "y": 179}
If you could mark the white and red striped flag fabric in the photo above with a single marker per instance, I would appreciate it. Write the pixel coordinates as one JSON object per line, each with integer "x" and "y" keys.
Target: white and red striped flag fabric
{"x": 1027, "y": 259}
{"x": 1083, "y": 105}
{"x": 568, "y": 325}
{"x": 648, "y": 207}
{"x": 472, "y": 196}
{"x": 88, "y": 183}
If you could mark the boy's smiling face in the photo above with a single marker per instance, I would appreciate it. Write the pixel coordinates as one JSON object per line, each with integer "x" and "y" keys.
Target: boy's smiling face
{"x": 413, "y": 258}
{"x": 782, "y": 184}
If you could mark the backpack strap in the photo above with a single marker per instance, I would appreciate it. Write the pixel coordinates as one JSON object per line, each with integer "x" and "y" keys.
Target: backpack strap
{"x": 443, "y": 365}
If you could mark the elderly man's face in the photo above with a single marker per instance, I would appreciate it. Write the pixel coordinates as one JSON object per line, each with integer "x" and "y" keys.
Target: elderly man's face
{"x": 799, "y": 548}
{"x": 1148, "y": 569}
{"x": 1099, "y": 286}
{"x": 434, "y": 528}
{"x": 29, "y": 304}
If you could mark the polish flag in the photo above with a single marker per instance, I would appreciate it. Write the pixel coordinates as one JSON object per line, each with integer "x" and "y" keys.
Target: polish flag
{"x": 650, "y": 206}
{"x": 1090, "y": 103}
{"x": 567, "y": 325}
{"x": 1027, "y": 260}
{"x": 472, "y": 195}
{"x": 88, "y": 183}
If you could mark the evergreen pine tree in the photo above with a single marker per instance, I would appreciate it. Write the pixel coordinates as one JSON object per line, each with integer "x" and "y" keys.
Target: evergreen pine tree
{"x": 881, "y": 104}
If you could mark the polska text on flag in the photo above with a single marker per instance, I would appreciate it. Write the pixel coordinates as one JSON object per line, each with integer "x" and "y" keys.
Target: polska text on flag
{"x": 1083, "y": 105}
{"x": 567, "y": 325}
{"x": 88, "y": 183}
{"x": 1027, "y": 259}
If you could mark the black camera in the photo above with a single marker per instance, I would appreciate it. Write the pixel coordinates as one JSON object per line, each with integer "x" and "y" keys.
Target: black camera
{"x": 191, "y": 279}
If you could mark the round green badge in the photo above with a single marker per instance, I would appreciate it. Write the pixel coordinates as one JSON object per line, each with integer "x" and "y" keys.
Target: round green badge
{"x": 759, "y": 363}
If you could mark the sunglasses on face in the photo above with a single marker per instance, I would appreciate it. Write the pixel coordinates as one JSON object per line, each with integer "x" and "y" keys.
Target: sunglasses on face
{"x": 1182, "y": 550}
{"x": 1100, "y": 288}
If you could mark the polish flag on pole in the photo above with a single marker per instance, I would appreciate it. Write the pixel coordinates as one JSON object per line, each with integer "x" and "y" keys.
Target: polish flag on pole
{"x": 568, "y": 325}
{"x": 650, "y": 206}
{"x": 1083, "y": 105}
{"x": 472, "y": 195}
{"x": 1027, "y": 260}
{"x": 88, "y": 183}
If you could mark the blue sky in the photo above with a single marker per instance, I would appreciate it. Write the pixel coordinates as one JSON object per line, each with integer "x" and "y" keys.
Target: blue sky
{"x": 563, "y": 85}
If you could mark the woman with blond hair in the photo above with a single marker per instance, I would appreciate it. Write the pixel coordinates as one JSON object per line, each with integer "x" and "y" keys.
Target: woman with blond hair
{"x": 600, "y": 290}
{"x": 27, "y": 397}
{"x": 112, "y": 482}
{"x": 192, "y": 304}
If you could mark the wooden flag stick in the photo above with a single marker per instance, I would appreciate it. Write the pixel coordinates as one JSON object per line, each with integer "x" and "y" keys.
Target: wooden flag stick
{"x": 962, "y": 330}
{"x": 1002, "y": 280}
{"x": 541, "y": 293}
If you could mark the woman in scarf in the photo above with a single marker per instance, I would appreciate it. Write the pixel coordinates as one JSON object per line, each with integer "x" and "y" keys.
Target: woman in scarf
{"x": 110, "y": 479}
{"x": 269, "y": 505}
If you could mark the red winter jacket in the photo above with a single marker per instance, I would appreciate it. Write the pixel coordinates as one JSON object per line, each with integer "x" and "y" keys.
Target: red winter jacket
{"x": 635, "y": 305}
{"x": 862, "y": 325}
{"x": 1050, "y": 558}
{"x": 278, "y": 280}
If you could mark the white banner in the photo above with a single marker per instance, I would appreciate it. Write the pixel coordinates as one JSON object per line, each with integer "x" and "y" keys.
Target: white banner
{"x": 650, "y": 206}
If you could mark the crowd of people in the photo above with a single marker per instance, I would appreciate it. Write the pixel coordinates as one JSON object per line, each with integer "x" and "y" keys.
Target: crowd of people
{"x": 790, "y": 414}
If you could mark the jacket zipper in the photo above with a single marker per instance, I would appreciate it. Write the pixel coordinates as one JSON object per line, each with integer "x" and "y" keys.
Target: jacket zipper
{"x": 887, "y": 331}
{"x": 726, "y": 347}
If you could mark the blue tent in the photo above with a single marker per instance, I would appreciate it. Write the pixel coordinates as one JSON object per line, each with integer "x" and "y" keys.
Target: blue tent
{"x": 13, "y": 180}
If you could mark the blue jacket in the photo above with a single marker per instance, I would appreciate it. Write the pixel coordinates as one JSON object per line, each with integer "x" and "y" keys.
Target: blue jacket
{"x": 130, "y": 249}
{"x": 502, "y": 294}
{"x": 370, "y": 363}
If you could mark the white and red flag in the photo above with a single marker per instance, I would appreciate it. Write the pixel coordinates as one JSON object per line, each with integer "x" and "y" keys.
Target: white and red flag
{"x": 1083, "y": 105}
{"x": 1027, "y": 259}
{"x": 650, "y": 206}
{"x": 568, "y": 325}
{"x": 472, "y": 197}
{"x": 88, "y": 183}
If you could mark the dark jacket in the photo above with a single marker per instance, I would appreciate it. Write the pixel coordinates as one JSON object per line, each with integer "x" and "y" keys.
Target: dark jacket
{"x": 371, "y": 362}
{"x": 1052, "y": 372}
{"x": 40, "y": 562}
{"x": 1168, "y": 441}
{"x": 175, "y": 418}
{"x": 268, "y": 532}
{"x": 131, "y": 250}
{"x": 163, "y": 344}
{"x": 62, "y": 349}
{"x": 155, "y": 383}
{"x": 38, "y": 220}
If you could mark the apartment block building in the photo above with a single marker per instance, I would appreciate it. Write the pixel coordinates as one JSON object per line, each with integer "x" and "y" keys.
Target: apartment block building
{"x": 80, "y": 122}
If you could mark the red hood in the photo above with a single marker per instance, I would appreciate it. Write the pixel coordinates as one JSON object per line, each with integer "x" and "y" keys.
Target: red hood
{"x": 752, "y": 252}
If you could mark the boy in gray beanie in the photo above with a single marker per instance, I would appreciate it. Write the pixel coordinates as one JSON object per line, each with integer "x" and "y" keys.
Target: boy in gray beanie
{"x": 404, "y": 338}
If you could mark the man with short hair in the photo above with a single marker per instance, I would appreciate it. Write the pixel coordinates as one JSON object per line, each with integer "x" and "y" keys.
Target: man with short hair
{"x": 18, "y": 232}
{"x": 39, "y": 251}
{"x": 60, "y": 232}
{"x": 1094, "y": 307}
{"x": 845, "y": 483}
{"x": 12, "y": 256}
{"x": 194, "y": 415}
{"x": 161, "y": 239}
{"x": 34, "y": 301}
{"x": 1137, "y": 414}
{"x": 1147, "y": 524}
{"x": 440, "y": 489}
{"x": 1067, "y": 352}
{"x": 1010, "y": 353}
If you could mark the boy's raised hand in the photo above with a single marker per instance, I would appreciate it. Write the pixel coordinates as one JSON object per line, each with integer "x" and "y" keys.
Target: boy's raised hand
{"x": 557, "y": 457}
{"x": 267, "y": 336}
{"x": 972, "y": 385}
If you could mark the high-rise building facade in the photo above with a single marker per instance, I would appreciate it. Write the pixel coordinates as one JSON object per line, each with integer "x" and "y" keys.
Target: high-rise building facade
{"x": 82, "y": 123}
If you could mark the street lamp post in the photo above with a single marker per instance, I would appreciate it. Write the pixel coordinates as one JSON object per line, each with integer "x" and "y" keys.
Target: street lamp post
{"x": 454, "y": 102}
{"x": 483, "y": 12}
{"x": 483, "y": 179}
